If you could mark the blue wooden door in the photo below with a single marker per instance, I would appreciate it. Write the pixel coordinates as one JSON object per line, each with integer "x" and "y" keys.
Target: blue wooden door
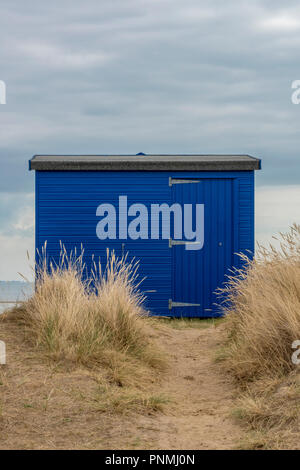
{"x": 197, "y": 273}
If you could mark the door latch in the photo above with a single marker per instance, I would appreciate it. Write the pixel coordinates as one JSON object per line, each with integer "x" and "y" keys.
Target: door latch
{"x": 181, "y": 304}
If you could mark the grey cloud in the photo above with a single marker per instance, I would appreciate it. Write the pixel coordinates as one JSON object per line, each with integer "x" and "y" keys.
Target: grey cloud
{"x": 16, "y": 214}
{"x": 156, "y": 76}
{"x": 166, "y": 76}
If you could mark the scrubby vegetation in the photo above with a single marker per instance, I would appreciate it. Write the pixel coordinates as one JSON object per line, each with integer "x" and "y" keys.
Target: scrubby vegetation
{"x": 94, "y": 320}
{"x": 90, "y": 349}
{"x": 263, "y": 320}
{"x": 80, "y": 316}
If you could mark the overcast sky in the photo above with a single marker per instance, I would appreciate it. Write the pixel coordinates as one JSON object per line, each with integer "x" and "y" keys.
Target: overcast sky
{"x": 125, "y": 76}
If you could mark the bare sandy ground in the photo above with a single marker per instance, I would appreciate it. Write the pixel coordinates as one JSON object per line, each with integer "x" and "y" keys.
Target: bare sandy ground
{"x": 45, "y": 407}
{"x": 202, "y": 396}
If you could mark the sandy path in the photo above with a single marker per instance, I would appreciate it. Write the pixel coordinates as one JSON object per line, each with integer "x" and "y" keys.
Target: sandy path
{"x": 43, "y": 406}
{"x": 203, "y": 396}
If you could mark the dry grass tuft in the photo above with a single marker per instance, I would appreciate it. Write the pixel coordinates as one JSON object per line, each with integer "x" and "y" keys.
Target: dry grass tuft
{"x": 84, "y": 319}
{"x": 117, "y": 401}
{"x": 264, "y": 315}
{"x": 263, "y": 320}
{"x": 92, "y": 328}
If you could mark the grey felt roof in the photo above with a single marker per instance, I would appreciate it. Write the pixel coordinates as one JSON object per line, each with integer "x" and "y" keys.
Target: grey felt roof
{"x": 142, "y": 162}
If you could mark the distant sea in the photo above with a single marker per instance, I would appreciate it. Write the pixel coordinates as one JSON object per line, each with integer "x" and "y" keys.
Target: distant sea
{"x": 14, "y": 291}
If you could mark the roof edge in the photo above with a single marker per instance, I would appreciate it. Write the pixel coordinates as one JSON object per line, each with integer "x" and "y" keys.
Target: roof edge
{"x": 144, "y": 163}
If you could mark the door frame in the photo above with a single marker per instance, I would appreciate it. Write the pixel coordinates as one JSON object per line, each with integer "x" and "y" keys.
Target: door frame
{"x": 234, "y": 222}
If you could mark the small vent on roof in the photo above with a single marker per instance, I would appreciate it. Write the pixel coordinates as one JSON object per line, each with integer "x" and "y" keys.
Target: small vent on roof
{"x": 141, "y": 153}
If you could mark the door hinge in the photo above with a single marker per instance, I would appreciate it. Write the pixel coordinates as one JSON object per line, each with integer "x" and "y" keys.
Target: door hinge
{"x": 181, "y": 242}
{"x": 181, "y": 304}
{"x": 181, "y": 181}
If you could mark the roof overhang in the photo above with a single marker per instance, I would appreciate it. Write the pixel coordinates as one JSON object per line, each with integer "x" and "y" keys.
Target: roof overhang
{"x": 144, "y": 163}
